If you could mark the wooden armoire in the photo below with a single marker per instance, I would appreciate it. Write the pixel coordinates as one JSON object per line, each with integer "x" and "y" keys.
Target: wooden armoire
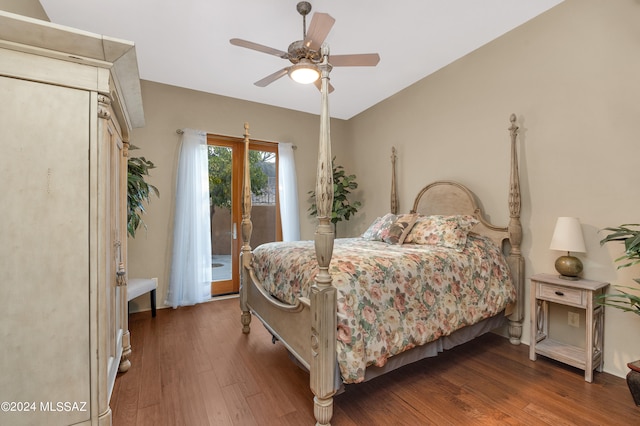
{"x": 68, "y": 102}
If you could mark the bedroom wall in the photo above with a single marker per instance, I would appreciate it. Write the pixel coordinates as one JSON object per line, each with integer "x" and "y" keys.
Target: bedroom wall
{"x": 572, "y": 77}
{"x": 168, "y": 108}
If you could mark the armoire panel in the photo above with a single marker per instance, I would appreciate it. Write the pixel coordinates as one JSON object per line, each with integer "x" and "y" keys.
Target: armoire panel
{"x": 44, "y": 293}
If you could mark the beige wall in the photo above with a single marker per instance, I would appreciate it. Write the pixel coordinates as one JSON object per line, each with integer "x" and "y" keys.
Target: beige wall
{"x": 572, "y": 76}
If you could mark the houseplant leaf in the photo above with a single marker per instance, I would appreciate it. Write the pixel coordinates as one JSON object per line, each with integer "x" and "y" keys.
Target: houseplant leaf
{"x": 630, "y": 236}
{"x": 138, "y": 191}
{"x": 342, "y": 209}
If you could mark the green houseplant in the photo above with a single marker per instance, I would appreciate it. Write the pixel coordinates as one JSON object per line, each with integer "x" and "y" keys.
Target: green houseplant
{"x": 626, "y": 301}
{"x": 342, "y": 209}
{"x": 629, "y": 234}
{"x": 138, "y": 191}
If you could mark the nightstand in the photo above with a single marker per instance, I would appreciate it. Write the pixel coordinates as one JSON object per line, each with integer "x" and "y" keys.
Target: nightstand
{"x": 581, "y": 293}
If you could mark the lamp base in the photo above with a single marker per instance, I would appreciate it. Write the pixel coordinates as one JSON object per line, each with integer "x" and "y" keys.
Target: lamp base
{"x": 569, "y": 267}
{"x": 568, "y": 278}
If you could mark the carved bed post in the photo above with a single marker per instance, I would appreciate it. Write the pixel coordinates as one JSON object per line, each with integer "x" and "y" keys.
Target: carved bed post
{"x": 394, "y": 193}
{"x": 323, "y": 294}
{"x": 515, "y": 259}
{"x": 246, "y": 229}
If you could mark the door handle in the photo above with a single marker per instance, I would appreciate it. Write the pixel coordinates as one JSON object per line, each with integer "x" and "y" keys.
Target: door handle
{"x": 235, "y": 231}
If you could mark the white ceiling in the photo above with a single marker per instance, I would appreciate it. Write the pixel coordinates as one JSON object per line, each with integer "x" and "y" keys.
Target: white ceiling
{"x": 186, "y": 43}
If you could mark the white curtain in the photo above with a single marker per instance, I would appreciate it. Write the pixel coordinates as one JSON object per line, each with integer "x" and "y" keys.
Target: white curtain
{"x": 190, "y": 280}
{"x": 288, "y": 193}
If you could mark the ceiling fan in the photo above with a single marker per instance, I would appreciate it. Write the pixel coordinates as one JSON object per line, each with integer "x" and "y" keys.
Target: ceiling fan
{"x": 304, "y": 54}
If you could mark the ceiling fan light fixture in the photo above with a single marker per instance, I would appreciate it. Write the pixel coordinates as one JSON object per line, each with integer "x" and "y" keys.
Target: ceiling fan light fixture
{"x": 304, "y": 72}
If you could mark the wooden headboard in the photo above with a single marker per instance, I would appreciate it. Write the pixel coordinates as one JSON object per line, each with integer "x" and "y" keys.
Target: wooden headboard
{"x": 452, "y": 198}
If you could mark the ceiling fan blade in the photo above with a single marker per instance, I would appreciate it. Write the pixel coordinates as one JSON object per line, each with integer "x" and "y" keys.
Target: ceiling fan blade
{"x": 272, "y": 77}
{"x": 259, "y": 47}
{"x": 319, "y": 28}
{"x": 318, "y": 84}
{"x": 358, "y": 60}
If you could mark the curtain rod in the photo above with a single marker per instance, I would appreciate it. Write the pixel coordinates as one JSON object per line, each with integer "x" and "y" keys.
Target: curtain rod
{"x": 180, "y": 132}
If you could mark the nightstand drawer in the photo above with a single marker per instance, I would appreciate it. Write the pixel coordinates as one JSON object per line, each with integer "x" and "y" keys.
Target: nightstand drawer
{"x": 552, "y": 293}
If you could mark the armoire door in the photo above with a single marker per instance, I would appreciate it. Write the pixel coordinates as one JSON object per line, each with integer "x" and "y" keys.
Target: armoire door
{"x": 44, "y": 290}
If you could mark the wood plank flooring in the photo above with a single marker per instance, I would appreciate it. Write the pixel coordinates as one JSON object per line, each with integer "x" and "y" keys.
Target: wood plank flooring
{"x": 193, "y": 366}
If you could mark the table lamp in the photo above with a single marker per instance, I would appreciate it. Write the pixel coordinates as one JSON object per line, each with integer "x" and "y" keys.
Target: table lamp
{"x": 567, "y": 236}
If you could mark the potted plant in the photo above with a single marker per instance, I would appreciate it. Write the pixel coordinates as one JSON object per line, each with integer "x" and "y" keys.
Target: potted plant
{"x": 626, "y": 301}
{"x": 342, "y": 209}
{"x": 138, "y": 191}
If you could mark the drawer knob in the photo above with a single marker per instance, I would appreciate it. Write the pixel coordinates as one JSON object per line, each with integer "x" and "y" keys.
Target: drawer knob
{"x": 559, "y": 293}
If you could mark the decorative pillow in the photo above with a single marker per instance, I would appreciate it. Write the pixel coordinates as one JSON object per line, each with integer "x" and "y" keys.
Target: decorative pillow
{"x": 443, "y": 231}
{"x": 400, "y": 228}
{"x": 379, "y": 229}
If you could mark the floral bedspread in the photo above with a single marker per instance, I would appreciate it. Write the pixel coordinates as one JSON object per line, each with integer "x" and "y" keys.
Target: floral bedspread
{"x": 392, "y": 297}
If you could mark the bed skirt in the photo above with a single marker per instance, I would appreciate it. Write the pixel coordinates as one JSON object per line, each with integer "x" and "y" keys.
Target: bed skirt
{"x": 432, "y": 349}
{"x": 427, "y": 350}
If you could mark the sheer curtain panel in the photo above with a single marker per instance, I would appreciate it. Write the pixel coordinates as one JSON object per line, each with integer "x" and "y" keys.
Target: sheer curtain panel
{"x": 190, "y": 280}
{"x": 288, "y": 193}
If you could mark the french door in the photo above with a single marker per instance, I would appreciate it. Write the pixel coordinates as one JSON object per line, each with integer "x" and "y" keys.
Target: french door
{"x": 226, "y": 169}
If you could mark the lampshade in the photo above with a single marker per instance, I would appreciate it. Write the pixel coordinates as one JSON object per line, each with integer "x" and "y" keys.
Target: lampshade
{"x": 304, "y": 72}
{"x": 568, "y": 235}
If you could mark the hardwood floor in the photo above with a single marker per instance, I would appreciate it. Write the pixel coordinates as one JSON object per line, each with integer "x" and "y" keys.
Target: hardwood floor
{"x": 193, "y": 366}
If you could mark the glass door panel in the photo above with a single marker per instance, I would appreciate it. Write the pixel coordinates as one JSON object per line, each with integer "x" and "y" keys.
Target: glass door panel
{"x": 226, "y": 163}
{"x": 264, "y": 196}
{"x": 223, "y": 227}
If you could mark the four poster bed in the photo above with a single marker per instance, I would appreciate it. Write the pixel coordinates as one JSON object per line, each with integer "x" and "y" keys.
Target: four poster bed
{"x": 411, "y": 286}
